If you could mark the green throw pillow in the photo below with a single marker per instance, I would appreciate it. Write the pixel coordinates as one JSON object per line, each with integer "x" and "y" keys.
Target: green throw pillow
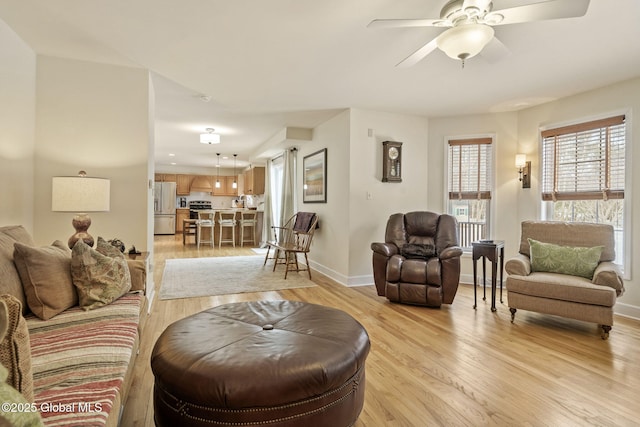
{"x": 574, "y": 261}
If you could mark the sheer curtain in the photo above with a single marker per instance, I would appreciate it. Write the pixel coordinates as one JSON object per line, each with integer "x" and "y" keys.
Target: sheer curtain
{"x": 280, "y": 197}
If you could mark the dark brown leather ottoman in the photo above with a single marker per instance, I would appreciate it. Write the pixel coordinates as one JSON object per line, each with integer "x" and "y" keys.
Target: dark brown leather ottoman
{"x": 271, "y": 363}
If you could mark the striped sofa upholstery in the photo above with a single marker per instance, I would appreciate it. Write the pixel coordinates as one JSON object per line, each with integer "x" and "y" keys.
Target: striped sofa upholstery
{"x": 81, "y": 360}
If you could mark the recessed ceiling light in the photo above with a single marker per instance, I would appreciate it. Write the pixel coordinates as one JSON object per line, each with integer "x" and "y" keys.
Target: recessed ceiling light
{"x": 171, "y": 155}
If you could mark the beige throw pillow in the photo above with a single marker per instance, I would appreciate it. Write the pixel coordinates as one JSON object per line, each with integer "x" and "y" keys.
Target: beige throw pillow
{"x": 46, "y": 278}
{"x": 101, "y": 276}
{"x": 15, "y": 348}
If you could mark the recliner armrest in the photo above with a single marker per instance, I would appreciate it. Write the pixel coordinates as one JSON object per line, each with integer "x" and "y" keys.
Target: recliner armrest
{"x": 608, "y": 274}
{"x": 386, "y": 249}
{"x": 520, "y": 265}
{"x": 451, "y": 252}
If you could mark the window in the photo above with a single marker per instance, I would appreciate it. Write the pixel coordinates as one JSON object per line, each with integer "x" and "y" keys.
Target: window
{"x": 469, "y": 178}
{"x": 583, "y": 174}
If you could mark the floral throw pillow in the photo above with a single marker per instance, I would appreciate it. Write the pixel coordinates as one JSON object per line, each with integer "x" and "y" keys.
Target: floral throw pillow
{"x": 101, "y": 276}
{"x": 574, "y": 261}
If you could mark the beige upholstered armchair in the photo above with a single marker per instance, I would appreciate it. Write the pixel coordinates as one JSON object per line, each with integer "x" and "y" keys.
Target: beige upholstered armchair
{"x": 565, "y": 269}
{"x": 419, "y": 261}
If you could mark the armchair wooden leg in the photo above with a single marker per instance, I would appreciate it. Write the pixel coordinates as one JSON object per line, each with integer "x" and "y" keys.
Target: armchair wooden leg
{"x": 605, "y": 331}
{"x": 266, "y": 257}
{"x": 275, "y": 261}
{"x": 513, "y": 314}
{"x": 306, "y": 260}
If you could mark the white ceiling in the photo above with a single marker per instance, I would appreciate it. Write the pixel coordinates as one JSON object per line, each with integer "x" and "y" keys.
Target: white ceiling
{"x": 267, "y": 64}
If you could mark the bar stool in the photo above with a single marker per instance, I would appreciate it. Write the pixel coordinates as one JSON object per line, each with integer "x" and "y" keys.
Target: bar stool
{"x": 205, "y": 220}
{"x": 227, "y": 219}
{"x": 248, "y": 219}
{"x": 189, "y": 228}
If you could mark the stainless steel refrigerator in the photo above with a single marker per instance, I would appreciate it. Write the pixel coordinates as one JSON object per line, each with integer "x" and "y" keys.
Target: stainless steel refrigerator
{"x": 164, "y": 208}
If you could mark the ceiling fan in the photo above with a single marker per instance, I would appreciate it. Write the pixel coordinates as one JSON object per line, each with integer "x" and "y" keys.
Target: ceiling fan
{"x": 470, "y": 24}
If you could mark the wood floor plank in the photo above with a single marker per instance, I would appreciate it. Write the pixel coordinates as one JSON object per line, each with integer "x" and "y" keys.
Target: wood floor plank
{"x": 453, "y": 366}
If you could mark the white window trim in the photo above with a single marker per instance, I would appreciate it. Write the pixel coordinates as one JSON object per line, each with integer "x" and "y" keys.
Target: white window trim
{"x": 545, "y": 208}
{"x": 494, "y": 173}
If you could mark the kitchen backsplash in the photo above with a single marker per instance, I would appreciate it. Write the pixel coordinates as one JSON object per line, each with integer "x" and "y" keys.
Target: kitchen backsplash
{"x": 220, "y": 201}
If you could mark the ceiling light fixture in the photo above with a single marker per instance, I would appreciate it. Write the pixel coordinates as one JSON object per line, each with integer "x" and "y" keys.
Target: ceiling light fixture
{"x": 235, "y": 177}
{"x": 210, "y": 137}
{"x": 465, "y": 41}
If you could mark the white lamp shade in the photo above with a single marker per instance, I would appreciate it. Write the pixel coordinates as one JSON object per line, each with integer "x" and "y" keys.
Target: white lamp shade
{"x": 465, "y": 41}
{"x": 210, "y": 138}
{"x": 521, "y": 160}
{"x": 80, "y": 194}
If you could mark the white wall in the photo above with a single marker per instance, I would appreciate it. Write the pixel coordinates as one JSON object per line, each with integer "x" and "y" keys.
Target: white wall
{"x": 349, "y": 221}
{"x": 93, "y": 117}
{"x": 330, "y": 246}
{"x": 17, "y": 129}
{"x": 368, "y": 217}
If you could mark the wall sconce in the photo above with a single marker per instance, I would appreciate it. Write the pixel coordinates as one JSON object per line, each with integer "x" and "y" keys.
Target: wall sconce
{"x": 524, "y": 170}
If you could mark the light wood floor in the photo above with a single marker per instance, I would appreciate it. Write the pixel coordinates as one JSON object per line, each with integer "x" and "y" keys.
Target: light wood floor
{"x": 453, "y": 366}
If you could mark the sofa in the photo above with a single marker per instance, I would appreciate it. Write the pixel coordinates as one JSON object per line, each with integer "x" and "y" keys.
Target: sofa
{"x": 419, "y": 261}
{"x": 70, "y": 350}
{"x": 565, "y": 269}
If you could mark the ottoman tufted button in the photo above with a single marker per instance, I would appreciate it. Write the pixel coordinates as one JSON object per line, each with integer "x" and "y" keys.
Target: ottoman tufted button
{"x": 267, "y": 327}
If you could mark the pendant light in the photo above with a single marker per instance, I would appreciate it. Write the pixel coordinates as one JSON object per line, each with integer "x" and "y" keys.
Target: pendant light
{"x": 218, "y": 175}
{"x": 235, "y": 177}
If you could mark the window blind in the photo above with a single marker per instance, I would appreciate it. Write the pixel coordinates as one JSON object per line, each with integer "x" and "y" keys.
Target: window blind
{"x": 470, "y": 168}
{"x": 584, "y": 161}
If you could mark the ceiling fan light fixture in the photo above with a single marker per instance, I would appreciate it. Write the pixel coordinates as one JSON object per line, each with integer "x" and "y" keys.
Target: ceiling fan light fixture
{"x": 465, "y": 41}
{"x": 210, "y": 137}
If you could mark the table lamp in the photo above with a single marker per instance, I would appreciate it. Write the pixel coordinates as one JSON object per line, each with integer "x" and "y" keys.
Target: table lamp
{"x": 80, "y": 194}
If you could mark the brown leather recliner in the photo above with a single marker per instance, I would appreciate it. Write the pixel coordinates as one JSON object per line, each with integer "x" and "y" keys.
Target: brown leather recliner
{"x": 419, "y": 263}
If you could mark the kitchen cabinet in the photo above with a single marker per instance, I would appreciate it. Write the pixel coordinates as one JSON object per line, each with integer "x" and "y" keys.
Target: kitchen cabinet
{"x": 229, "y": 186}
{"x": 165, "y": 177}
{"x": 202, "y": 183}
{"x": 183, "y": 184}
{"x": 226, "y": 186}
{"x": 254, "y": 180}
{"x": 181, "y": 214}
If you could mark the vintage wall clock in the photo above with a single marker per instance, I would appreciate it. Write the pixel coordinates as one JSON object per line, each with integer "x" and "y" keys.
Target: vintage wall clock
{"x": 391, "y": 161}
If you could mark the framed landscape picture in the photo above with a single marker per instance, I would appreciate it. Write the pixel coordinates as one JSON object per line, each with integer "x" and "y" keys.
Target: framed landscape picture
{"x": 314, "y": 177}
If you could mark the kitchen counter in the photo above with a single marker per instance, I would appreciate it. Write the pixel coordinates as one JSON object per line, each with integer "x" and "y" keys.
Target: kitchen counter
{"x": 237, "y": 211}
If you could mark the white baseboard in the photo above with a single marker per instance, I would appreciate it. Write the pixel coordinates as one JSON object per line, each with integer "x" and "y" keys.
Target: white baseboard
{"x": 627, "y": 310}
{"x": 620, "y": 309}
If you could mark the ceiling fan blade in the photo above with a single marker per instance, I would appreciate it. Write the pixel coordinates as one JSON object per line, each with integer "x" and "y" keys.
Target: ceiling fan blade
{"x": 495, "y": 51}
{"x": 419, "y": 54}
{"x": 552, "y": 9}
{"x": 402, "y": 23}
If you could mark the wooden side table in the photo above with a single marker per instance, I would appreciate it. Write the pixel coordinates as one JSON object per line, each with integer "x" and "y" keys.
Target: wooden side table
{"x": 145, "y": 258}
{"x": 494, "y": 251}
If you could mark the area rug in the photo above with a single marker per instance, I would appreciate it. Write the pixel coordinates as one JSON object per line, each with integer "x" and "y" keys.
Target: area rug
{"x": 197, "y": 277}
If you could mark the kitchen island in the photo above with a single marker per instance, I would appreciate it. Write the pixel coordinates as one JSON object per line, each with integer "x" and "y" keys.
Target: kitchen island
{"x": 237, "y": 215}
